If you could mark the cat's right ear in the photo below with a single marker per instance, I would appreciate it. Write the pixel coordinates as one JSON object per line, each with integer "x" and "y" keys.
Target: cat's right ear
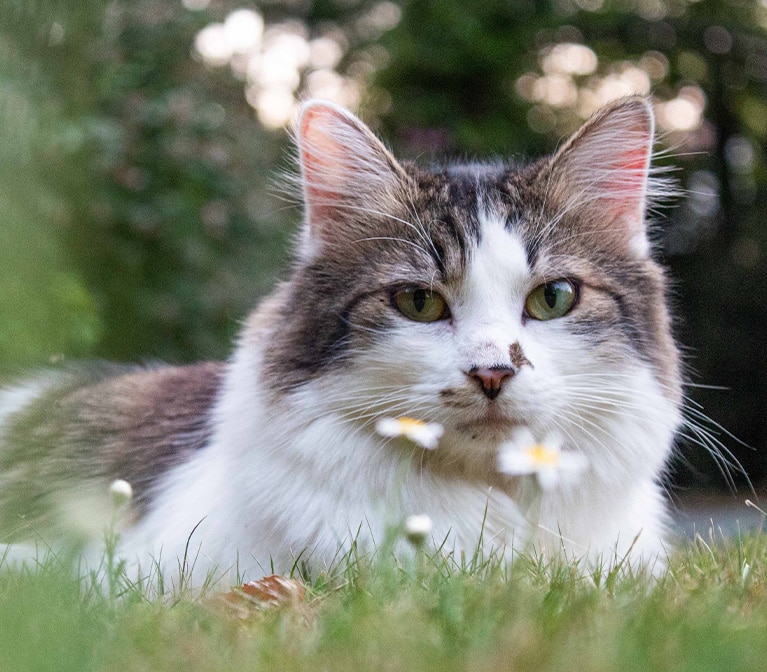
{"x": 345, "y": 170}
{"x": 603, "y": 172}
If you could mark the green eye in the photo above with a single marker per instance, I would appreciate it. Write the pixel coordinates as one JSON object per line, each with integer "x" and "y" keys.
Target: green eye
{"x": 421, "y": 305}
{"x": 551, "y": 300}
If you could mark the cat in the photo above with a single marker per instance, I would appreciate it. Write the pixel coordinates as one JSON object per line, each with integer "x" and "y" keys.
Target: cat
{"x": 485, "y": 297}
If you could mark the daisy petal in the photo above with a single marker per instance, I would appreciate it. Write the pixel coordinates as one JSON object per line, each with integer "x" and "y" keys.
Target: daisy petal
{"x": 546, "y": 460}
{"x": 424, "y": 434}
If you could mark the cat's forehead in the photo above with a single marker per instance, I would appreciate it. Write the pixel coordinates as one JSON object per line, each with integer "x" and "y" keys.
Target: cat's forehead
{"x": 460, "y": 183}
{"x": 469, "y": 190}
{"x": 476, "y": 206}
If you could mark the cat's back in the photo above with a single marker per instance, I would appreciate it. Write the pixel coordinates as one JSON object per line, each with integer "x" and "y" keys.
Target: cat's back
{"x": 97, "y": 423}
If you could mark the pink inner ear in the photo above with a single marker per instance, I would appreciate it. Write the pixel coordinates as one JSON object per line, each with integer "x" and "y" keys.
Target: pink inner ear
{"x": 628, "y": 182}
{"x": 634, "y": 164}
{"x": 321, "y": 159}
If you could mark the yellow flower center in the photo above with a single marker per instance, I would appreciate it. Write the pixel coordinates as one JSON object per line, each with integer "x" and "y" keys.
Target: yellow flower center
{"x": 543, "y": 456}
{"x": 406, "y": 424}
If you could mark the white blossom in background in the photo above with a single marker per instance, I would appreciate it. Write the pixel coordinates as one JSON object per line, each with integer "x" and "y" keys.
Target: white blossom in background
{"x": 243, "y": 30}
{"x": 418, "y": 528}
{"x": 280, "y": 64}
{"x": 570, "y": 58}
{"x": 523, "y": 455}
{"x": 570, "y": 86}
{"x": 683, "y": 113}
{"x": 424, "y": 434}
{"x": 212, "y": 45}
{"x": 121, "y": 492}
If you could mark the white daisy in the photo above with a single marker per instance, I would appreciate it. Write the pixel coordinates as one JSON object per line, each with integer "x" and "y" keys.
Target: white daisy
{"x": 418, "y": 528}
{"x": 424, "y": 434}
{"x": 121, "y": 492}
{"x": 523, "y": 455}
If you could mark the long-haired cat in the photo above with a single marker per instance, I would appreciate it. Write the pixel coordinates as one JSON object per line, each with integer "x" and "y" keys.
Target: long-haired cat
{"x": 483, "y": 297}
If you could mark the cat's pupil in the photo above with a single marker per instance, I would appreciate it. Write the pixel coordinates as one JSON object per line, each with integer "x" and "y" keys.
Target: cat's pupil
{"x": 550, "y": 294}
{"x": 419, "y": 299}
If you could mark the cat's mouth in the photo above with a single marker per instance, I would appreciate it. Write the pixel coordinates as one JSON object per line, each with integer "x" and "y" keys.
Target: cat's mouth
{"x": 493, "y": 421}
{"x": 488, "y": 420}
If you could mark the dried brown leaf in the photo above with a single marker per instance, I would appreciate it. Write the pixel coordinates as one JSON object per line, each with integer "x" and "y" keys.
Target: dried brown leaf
{"x": 271, "y": 592}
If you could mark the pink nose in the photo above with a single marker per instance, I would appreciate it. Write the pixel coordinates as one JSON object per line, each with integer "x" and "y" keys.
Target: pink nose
{"x": 491, "y": 378}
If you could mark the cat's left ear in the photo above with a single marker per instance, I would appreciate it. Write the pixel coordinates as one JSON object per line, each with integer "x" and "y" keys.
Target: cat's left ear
{"x": 602, "y": 174}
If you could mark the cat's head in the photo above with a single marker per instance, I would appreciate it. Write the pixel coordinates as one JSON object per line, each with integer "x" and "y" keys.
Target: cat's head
{"x": 483, "y": 296}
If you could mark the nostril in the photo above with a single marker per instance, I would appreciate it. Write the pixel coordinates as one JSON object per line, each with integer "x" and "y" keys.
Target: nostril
{"x": 491, "y": 378}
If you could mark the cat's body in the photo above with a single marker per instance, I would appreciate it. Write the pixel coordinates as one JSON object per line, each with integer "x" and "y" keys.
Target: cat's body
{"x": 411, "y": 296}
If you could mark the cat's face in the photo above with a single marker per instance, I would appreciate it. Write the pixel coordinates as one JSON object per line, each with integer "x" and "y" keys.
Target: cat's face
{"x": 483, "y": 297}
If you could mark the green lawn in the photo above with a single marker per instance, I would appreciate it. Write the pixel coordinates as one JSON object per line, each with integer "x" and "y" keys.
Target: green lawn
{"x": 708, "y": 612}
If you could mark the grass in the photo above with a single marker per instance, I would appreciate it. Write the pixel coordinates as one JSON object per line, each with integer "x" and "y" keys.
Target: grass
{"x": 708, "y": 612}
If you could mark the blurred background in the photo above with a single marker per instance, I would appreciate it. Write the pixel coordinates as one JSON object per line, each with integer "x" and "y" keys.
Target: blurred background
{"x": 140, "y": 142}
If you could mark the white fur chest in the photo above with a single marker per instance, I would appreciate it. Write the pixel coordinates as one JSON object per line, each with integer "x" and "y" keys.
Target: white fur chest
{"x": 307, "y": 498}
